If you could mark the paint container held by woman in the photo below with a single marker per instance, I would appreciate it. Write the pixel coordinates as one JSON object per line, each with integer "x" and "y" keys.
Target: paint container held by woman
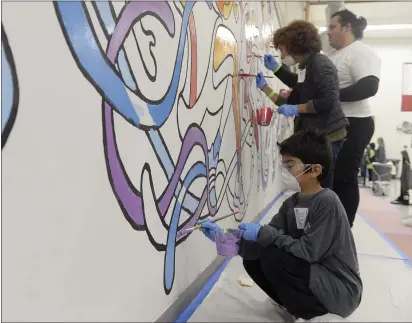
{"x": 264, "y": 116}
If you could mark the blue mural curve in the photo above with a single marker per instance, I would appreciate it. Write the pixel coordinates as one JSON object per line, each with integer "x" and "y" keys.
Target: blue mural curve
{"x": 9, "y": 89}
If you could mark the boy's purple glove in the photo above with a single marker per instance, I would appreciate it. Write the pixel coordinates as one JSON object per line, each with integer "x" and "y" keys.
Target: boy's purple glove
{"x": 251, "y": 231}
{"x": 260, "y": 81}
{"x": 289, "y": 110}
{"x": 209, "y": 229}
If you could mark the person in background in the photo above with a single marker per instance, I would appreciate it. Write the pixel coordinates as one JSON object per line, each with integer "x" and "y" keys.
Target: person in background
{"x": 305, "y": 259}
{"x": 358, "y": 71}
{"x": 370, "y": 158}
{"x": 406, "y": 182}
{"x": 380, "y": 152}
{"x": 363, "y": 166}
{"x": 366, "y": 164}
{"x": 314, "y": 98}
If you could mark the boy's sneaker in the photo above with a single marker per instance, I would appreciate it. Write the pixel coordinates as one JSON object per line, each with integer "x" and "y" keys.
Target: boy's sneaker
{"x": 290, "y": 318}
{"x": 283, "y": 312}
{"x": 325, "y": 318}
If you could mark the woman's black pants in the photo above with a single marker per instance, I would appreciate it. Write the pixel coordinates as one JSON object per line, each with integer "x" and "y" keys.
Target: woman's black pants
{"x": 285, "y": 279}
{"x": 345, "y": 184}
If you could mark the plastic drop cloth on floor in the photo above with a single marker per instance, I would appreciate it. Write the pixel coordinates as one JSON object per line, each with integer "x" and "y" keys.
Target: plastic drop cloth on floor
{"x": 230, "y": 302}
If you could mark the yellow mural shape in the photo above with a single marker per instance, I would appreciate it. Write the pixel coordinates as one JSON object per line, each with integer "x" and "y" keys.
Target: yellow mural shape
{"x": 225, "y": 7}
{"x": 225, "y": 45}
{"x": 236, "y": 9}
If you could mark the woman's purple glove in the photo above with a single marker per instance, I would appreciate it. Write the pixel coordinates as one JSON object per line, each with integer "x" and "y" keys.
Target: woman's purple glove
{"x": 270, "y": 62}
{"x": 260, "y": 81}
{"x": 209, "y": 229}
{"x": 251, "y": 231}
{"x": 289, "y": 110}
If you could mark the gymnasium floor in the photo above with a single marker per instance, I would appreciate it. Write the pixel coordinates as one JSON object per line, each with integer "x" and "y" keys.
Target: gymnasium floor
{"x": 384, "y": 248}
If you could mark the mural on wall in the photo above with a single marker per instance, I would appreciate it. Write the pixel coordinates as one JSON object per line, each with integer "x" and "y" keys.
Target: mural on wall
{"x": 9, "y": 89}
{"x": 217, "y": 167}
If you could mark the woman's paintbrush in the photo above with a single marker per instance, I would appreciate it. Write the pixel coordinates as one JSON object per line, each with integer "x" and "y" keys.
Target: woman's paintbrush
{"x": 250, "y": 75}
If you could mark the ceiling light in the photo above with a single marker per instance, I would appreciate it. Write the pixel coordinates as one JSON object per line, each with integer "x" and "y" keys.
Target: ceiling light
{"x": 380, "y": 27}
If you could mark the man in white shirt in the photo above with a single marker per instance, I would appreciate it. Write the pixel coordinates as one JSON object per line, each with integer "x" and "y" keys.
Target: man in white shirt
{"x": 358, "y": 72}
{"x": 354, "y": 61}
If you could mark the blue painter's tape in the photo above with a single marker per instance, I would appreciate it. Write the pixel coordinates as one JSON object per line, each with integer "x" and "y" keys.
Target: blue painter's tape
{"x": 381, "y": 257}
{"x": 188, "y": 312}
{"x": 268, "y": 208}
{"x": 384, "y": 237}
{"x": 399, "y": 233}
{"x": 207, "y": 287}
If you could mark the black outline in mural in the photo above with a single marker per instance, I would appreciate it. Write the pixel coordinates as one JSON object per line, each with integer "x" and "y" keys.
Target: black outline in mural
{"x": 172, "y": 35}
{"x": 151, "y": 77}
{"x": 181, "y": 96}
{"x": 129, "y": 182}
{"x": 103, "y": 53}
{"x": 108, "y": 36}
{"x": 16, "y": 93}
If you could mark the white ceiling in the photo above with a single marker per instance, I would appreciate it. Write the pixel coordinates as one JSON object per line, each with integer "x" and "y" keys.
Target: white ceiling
{"x": 377, "y": 13}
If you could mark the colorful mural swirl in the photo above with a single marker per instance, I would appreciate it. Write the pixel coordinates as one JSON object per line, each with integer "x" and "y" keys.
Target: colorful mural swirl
{"x": 215, "y": 167}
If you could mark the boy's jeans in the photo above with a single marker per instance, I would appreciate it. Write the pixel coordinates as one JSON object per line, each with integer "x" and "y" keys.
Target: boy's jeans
{"x": 285, "y": 279}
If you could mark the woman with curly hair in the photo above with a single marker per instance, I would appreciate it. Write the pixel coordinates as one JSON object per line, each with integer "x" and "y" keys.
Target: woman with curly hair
{"x": 314, "y": 99}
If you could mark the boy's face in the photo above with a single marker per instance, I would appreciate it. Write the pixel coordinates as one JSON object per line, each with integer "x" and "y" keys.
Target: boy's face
{"x": 303, "y": 173}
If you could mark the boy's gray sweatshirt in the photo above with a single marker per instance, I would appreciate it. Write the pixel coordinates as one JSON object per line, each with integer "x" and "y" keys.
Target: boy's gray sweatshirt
{"x": 315, "y": 228}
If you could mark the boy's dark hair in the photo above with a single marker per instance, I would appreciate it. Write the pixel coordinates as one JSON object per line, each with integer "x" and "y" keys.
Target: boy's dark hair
{"x": 358, "y": 24}
{"x": 299, "y": 37}
{"x": 372, "y": 145}
{"x": 311, "y": 146}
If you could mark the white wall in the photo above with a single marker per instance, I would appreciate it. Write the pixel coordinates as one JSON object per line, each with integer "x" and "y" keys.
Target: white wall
{"x": 82, "y": 217}
{"x": 291, "y": 10}
{"x": 386, "y": 105}
{"x": 376, "y": 12}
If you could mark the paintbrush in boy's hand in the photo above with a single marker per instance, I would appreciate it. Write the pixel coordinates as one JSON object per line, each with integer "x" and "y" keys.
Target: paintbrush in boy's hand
{"x": 197, "y": 227}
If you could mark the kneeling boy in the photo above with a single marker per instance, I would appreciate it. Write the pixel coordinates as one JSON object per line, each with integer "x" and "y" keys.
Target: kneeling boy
{"x": 305, "y": 258}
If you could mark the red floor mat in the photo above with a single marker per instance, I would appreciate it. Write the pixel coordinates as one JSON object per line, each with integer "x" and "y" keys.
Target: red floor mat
{"x": 387, "y": 219}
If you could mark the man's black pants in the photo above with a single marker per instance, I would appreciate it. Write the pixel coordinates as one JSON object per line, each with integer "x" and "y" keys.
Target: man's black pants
{"x": 285, "y": 279}
{"x": 327, "y": 181}
{"x": 345, "y": 184}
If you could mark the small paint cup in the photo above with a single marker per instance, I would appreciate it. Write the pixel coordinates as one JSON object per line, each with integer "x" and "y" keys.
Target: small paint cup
{"x": 227, "y": 243}
{"x": 264, "y": 116}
